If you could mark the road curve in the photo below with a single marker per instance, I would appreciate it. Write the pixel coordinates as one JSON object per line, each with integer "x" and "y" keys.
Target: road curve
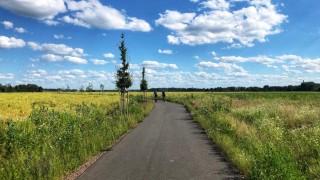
{"x": 168, "y": 144}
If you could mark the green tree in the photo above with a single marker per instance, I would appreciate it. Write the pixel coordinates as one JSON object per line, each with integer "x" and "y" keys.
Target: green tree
{"x": 144, "y": 84}
{"x": 124, "y": 79}
{"x": 89, "y": 88}
{"x": 101, "y": 87}
{"x": 81, "y": 89}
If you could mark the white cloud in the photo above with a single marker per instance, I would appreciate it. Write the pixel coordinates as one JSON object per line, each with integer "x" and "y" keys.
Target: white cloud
{"x": 155, "y": 64}
{"x": 108, "y": 55}
{"x": 206, "y": 75}
{"x": 6, "y": 76}
{"x": 194, "y": 1}
{"x": 166, "y": 51}
{"x": 196, "y": 57}
{"x": 150, "y": 71}
{"x": 253, "y": 22}
{"x": 216, "y": 4}
{"x": 230, "y": 69}
{"x": 37, "y": 73}
{"x": 94, "y": 14}
{"x": 308, "y": 64}
{"x": 61, "y": 36}
{"x": 60, "y": 49}
{"x": 74, "y": 21}
{"x": 52, "y": 57}
{"x": 20, "y": 30}
{"x": 76, "y": 60}
{"x": 57, "y": 58}
{"x": 71, "y": 72}
{"x": 99, "y": 62}
{"x": 213, "y": 53}
{"x": 175, "y": 20}
{"x": 11, "y": 42}
{"x": 7, "y": 24}
{"x": 50, "y": 22}
{"x": 44, "y": 9}
{"x": 258, "y": 59}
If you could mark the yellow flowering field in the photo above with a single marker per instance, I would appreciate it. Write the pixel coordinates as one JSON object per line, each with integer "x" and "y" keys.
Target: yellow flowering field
{"x": 18, "y": 106}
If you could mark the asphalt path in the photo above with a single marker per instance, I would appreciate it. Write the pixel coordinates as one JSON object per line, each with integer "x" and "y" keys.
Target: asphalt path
{"x": 168, "y": 144}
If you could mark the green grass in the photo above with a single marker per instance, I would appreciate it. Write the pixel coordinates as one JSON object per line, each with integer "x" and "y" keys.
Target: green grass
{"x": 49, "y": 144}
{"x": 266, "y": 135}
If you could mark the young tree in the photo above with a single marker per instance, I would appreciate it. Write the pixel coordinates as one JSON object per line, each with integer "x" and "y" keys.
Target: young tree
{"x": 101, "y": 87}
{"x": 124, "y": 79}
{"x": 81, "y": 89}
{"x": 89, "y": 88}
{"x": 144, "y": 84}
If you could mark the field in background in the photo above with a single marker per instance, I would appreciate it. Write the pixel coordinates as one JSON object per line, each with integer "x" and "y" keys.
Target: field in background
{"x": 18, "y": 106}
{"x": 48, "y": 135}
{"x": 266, "y": 135}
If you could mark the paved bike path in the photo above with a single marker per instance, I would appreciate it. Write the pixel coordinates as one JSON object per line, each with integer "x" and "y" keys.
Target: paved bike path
{"x": 168, "y": 144}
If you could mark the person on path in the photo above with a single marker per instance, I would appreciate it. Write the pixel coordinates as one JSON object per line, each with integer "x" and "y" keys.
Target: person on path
{"x": 155, "y": 95}
{"x": 163, "y": 95}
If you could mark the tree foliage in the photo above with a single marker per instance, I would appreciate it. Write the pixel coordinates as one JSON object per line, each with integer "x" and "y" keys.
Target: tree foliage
{"x": 144, "y": 83}
{"x": 124, "y": 80}
{"x": 89, "y": 88}
{"x": 20, "y": 88}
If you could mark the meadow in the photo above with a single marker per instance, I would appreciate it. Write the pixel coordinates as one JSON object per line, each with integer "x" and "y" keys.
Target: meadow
{"x": 49, "y": 135}
{"x": 266, "y": 135}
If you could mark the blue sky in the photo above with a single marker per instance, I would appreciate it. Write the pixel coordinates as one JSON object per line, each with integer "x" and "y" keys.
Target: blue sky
{"x": 189, "y": 43}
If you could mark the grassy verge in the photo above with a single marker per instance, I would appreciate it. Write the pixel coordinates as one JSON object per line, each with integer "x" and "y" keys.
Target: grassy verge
{"x": 266, "y": 135}
{"x": 50, "y": 143}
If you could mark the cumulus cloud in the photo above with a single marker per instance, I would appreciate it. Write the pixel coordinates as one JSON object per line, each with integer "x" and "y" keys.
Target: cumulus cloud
{"x": 50, "y": 22}
{"x": 74, "y": 21}
{"x": 60, "y": 49}
{"x": 156, "y": 64}
{"x": 229, "y": 68}
{"x": 216, "y": 4}
{"x": 20, "y": 30}
{"x": 166, "y": 51}
{"x": 288, "y": 62}
{"x": 91, "y": 13}
{"x": 52, "y": 57}
{"x": 60, "y": 36}
{"x": 37, "y": 73}
{"x": 6, "y": 76}
{"x": 57, "y": 58}
{"x": 44, "y": 9}
{"x": 308, "y": 64}
{"x": 7, "y": 24}
{"x": 258, "y": 59}
{"x": 99, "y": 62}
{"x": 220, "y": 23}
{"x": 76, "y": 60}
{"x": 108, "y": 55}
{"x": 11, "y": 42}
{"x": 85, "y": 13}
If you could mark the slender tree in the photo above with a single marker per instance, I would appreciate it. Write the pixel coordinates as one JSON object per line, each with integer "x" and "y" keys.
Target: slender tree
{"x": 89, "y": 88}
{"x": 101, "y": 87}
{"x": 144, "y": 84}
{"x": 124, "y": 79}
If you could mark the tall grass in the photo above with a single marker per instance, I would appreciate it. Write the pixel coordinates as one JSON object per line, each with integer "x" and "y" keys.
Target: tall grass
{"x": 51, "y": 143}
{"x": 266, "y": 135}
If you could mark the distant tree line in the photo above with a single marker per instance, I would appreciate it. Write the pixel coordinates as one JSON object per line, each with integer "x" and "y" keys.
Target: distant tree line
{"x": 305, "y": 86}
{"x": 20, "y": 88}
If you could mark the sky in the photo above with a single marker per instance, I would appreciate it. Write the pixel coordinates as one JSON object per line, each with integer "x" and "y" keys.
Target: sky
{"x": 182, "y": 43}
